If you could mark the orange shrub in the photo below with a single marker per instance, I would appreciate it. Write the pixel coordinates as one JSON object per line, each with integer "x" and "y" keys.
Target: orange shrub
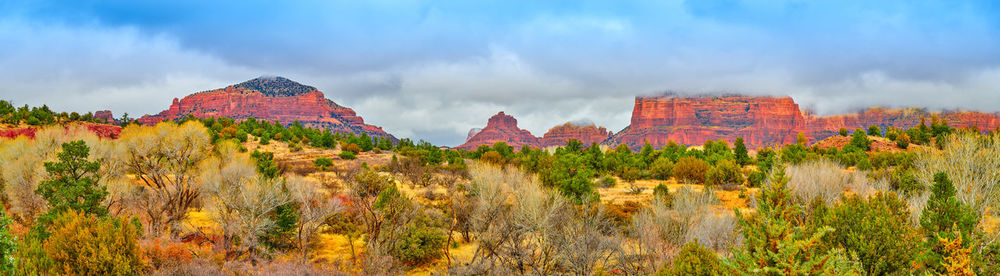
{"x": 82, "y": 244}
{"x": 165, "y": 253}
{"x": 353, "y": 148}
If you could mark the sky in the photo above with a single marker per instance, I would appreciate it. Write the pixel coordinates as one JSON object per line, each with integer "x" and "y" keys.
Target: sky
{"x": 433, "y": 70}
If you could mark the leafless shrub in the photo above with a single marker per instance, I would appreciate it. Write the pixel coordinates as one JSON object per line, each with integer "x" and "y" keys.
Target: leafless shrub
{"x": 660, "y": 230}
{"x": 238, "y": 198}
{"x": 20, "y": 172}
{"x": 971, "y": 161}
{"x": 817, "y": 178}
{"x": 587, "y": 243}
{"x": 165, "y": 159}
{"x": 716, "y": 231}
{"x": 314, "y": 208}
{"x": 522, "y": 228}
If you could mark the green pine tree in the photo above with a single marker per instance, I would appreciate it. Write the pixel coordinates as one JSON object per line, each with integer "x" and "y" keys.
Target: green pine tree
{"x": 945, "y": 217}
{"x": 73, "y": 185}
{"x": 740, "y": 151}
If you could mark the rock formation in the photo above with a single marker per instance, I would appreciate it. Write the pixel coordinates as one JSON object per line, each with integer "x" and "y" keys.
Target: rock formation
{"x": 500, "y": 128}
{"x": 105, "y": 115}
{"x": 586, "y": 134}
{"x": 763, "y": 121}
{"x": 272, "y": 99}
{"x": 503, "y": 128}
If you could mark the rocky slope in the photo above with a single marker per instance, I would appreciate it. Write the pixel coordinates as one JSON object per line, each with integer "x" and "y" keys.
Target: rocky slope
{"x": 500, "y": 128}
{"x": 269, "y": 98}
{"x": 763, "y": 121}
{"x": 587, "y": 134}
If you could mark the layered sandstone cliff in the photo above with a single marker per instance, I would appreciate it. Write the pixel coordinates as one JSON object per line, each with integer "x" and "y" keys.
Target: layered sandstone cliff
{"x": 500, "y": 128}
{"x": 272, "y": 99}
{"x": 586, "y": 134}
{"x": 763, "y": 121}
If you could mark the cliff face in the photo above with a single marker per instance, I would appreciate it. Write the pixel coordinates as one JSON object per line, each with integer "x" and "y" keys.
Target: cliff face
{"x": 105, "y": 115}
{"x": 500, "y": 128}
{"x": 271, "y": 99}
{"x": 762, "y": 121}
{"x": 587, "y": 134}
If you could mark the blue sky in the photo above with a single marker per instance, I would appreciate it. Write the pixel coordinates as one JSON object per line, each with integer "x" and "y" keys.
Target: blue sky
{"x": 434, "y": 69}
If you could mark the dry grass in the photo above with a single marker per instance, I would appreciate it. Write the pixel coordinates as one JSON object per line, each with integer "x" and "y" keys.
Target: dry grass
{"x": 622, "y": 193}
{"x": 827, "y": 180}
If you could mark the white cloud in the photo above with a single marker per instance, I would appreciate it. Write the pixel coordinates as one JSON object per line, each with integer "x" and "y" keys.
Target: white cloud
{"x": 91, "y": 67}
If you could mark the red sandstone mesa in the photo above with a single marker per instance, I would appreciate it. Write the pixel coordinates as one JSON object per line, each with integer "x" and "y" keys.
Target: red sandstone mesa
{"x": 271, "y": 99}
{"x": 586, "y": 134}
{"x": 763, "y": 121}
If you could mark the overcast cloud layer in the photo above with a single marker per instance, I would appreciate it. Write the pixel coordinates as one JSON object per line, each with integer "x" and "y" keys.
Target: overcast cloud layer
{"x": 434, "y": 70}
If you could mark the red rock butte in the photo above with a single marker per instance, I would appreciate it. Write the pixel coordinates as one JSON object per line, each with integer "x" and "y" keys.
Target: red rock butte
{"x": 764, "y": 121}
{"x": 271, "y": 99}
{"x": 503, "y": 128}
{"x": 500, "y": 128}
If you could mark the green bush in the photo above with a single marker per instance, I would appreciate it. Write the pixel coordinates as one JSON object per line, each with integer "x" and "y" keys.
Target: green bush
{"x": 905, "y": 181}
{"x": 662, "y": 168}
{"x": 323, "y": 163}
{"x": 347, "y": 155}
{"x": 421, "y": 242}
{"x": 694, "y": 260}
{"x": 663, "y": 193}
{"x": 607, "y": 181}
{"x": 843, "y": 132}
{"x": 874, "y": 130}
{"x": 756, "y": 178}
{"x": 7, "y": 245}
{"x": 860, "y": 140}
{"x": 572, "y": 178}
{"x": 877, "y": 231}
{"x": 691, "y": 170}
{"x": 903, "y": 141}
{"x": 724, "y": 173}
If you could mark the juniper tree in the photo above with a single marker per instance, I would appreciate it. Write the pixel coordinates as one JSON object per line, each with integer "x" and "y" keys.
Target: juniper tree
{"x": 73, "y": 185}
{"x": 776, "y": 244}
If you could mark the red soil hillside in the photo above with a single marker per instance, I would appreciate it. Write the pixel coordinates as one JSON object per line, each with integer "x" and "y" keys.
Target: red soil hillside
{"x": 272, "y": 99}
{"x": 878, "y": 143}
{"x": 762, "y": 121}
{"x": 500, "y": 128}
{"x": 101, "y": 130}
{"x": 587, "y": 134}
